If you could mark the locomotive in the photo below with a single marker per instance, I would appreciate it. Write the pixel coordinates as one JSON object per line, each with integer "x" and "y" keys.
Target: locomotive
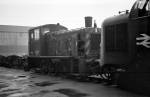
{"x": 54, "y": 49}
{"x": 118, "y": 51}
{"x": 125, "y": 47}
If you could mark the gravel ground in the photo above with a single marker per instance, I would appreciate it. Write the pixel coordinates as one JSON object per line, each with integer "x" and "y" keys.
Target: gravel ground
{"x": 17, "y": 83}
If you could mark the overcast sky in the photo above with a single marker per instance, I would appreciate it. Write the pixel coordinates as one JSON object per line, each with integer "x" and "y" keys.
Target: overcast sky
{"x": 69, "y": 13}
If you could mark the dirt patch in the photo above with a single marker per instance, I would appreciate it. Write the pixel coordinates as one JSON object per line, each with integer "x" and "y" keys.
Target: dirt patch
{"x": 21, "y": 76}
{"x": 9, "y": 90}
{"x": 44, "y": 91}
{"x": 71, "y": 93}
{"x": 3, "y": 85}
{"x": 41, "y": 93}
{"x": 33, "y": 77}
{"x": 19, "y": 95}
{"x": 4, "y": 95}
{"x": 45, "y": 83}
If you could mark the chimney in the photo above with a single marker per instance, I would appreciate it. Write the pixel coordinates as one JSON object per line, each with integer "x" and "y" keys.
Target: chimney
{"x": 88, "y": 21}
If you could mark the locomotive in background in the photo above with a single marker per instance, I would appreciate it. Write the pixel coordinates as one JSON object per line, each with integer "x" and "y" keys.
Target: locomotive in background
{"x": 125, "y": 47}
{"x": 54, "y": 49}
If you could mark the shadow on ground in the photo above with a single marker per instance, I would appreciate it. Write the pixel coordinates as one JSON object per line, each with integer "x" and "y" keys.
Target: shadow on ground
{"x": 71, "y": 93}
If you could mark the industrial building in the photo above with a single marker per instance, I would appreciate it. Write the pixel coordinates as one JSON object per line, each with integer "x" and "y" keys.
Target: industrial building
{"x": 13, "y": 40}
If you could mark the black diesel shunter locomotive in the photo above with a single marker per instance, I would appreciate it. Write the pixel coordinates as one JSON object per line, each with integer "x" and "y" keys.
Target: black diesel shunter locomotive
{"x": 55, "y": 50}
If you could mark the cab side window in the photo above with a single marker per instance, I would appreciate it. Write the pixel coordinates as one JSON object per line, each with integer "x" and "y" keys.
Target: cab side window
{"x": 148, "y": 7}
{"x": 140, "y": 8}
{"x": 37, "y": 34}
{"x": 144, "y": 8}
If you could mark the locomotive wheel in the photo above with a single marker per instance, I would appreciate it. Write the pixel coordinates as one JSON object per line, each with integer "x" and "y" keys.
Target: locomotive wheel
{"x": 57, "y": 69}
{"x": 108, "y": 74}
{"x": 51, "y": 67}
{"x": 25, "y": 66}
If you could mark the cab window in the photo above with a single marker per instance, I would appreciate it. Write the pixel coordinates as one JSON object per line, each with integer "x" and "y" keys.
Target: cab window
{"x": 148, "y": 7}
{"x": 140, "y": 8}
{"x": 141, "y": 4}
{"x": 37, "y": 34}
{"x": 32, "y": 35}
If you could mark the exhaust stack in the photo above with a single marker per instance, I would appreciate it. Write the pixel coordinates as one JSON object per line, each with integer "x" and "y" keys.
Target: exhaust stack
{"x": 88, "y": 21}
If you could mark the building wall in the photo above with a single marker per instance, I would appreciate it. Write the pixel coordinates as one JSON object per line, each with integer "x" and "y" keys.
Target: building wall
{"x": 14, "y": 42}
{"x": 7, "y": 50}
{"x": 13, "y": 38}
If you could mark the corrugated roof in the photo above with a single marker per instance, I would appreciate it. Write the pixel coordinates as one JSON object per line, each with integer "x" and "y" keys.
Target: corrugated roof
{"x": 13, "y": 28}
